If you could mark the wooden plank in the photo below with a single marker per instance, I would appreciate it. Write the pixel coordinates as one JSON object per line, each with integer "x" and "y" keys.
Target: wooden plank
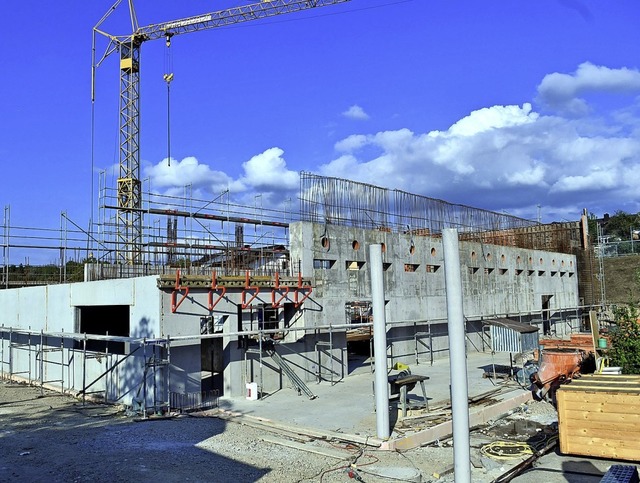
{"x": 588, "y": 390}
{"x": 610, "y": 384}
{"x": 600, "y": 432}
{"x": 602, "y": 448}
{"x": 598, "y": 408}
{"x": 314, "y": 433}
{"x": 330, "y": 452}
{"x": 600, "y": 398}
{"x": 621, "y": 387}
{"x": 607, "y": 378}
{"x": 589, "y": 416}
{"x": 606, "y": 381}
{"x": 603, "y": 378}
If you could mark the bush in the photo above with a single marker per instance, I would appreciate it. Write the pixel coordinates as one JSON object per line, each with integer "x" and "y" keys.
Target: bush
{"x": 625, "y": 339}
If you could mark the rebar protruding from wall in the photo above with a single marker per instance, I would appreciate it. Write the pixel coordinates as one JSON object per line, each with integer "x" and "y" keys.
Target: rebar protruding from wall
{"x": 345, "y": 202}
{"x": 349, "y": 203}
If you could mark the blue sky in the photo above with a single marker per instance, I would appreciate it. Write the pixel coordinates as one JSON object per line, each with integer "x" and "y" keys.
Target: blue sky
{"x": 526, "y": 107}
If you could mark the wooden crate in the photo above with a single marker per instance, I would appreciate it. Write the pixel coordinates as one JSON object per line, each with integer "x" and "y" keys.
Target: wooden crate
{"x": 599, "y": 415}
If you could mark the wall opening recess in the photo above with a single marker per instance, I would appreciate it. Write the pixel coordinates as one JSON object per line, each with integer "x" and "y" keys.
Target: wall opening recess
{"x": 354, "y": 265}
{"x": 112, "y": 320}
{"x": 323, "y": 264}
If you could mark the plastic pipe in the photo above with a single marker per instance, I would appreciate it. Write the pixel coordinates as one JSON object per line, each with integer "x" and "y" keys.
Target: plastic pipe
{"x": 379, "y": 343}
{"x": 458, "y": 357}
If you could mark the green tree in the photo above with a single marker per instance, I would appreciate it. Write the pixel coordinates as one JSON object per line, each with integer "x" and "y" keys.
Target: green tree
{"x": 621, "y": 224}
{"x": 625, "y": 339}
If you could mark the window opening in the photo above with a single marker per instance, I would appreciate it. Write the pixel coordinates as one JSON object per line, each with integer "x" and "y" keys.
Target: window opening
{"x": 110, "y": 320}
{"x": 323, "y": 264}
{"x": 354, "y": 265}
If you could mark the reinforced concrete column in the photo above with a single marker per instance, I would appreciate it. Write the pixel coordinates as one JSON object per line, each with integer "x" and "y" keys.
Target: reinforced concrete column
{"x": 458, "y": 357}
{"x": 379, "y": 343}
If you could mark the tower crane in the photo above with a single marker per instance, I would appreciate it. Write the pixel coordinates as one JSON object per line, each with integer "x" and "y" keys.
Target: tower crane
{"x": 129, "y": 189}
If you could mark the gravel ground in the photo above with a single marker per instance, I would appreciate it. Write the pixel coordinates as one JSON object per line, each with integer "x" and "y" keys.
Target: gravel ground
{"x": 50, "y": 437}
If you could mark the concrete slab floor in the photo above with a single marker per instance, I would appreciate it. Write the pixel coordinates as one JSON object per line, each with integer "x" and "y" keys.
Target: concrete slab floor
{"x": 348, "y": 406}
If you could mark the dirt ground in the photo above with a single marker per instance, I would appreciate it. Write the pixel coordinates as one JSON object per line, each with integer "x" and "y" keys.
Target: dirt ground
{"x": 50, "y": 437}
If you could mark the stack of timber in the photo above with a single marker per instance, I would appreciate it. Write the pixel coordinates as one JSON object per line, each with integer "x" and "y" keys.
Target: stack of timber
{"x": 581, "y": 341}
{"x": 599, "y": 415}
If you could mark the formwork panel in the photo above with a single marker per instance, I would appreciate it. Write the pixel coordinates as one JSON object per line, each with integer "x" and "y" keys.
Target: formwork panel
{"x": 598, "y": 416}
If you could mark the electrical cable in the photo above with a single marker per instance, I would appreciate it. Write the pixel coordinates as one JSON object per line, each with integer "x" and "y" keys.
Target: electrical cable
{"x": 506, "y": 450}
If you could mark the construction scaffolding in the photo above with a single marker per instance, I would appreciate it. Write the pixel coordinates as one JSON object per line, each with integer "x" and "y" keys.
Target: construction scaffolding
{"x": 192, "y": 234}
{"x": 60, "y": 361}
{"x": 142, "y": 373}
{"x": 196, "y": 235}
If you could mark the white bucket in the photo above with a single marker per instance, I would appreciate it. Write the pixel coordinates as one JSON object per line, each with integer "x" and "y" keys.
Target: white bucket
{"x": 252, "y": 391}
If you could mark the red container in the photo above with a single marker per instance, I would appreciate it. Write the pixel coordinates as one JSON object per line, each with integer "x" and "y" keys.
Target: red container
{"x": 555, "y": 367}
{"x": 559, "y": 364}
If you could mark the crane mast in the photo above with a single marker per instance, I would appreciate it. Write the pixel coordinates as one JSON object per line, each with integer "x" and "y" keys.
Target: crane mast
{"x": 129, "y": 236}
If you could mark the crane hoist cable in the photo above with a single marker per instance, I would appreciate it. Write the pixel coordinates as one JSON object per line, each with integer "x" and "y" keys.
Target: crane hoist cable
{"x": 168, "y": 77}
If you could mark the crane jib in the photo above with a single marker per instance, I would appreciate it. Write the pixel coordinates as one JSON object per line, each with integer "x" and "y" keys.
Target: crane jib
{"x": 189, "y": 21}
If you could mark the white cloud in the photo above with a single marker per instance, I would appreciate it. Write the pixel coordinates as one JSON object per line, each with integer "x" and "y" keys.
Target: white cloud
{"x": 351, "y": 143}
{"x": 488, "y": 118}
{"x": 501, "y": 158}
{"x": 172, "y": 179}
{"x": 356, "y": 112}
{"x": 563, "y": 91}
{"x": 595, "y": 180}
{"x": 533, "y": 176}
{"x": 267, "y": 171}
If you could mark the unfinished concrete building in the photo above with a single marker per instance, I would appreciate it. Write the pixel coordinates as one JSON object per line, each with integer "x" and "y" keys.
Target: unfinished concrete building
{"x": 209, "y": 312}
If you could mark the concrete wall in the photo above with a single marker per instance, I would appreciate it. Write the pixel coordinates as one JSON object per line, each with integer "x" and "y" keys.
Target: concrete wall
{"x": 239, "y": 365}
{"x": 497, "y": 280}
{"x": 54, "y": 309}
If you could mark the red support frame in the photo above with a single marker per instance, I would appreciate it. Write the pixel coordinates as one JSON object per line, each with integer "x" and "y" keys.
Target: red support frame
{"x": 214, "y": 289}
{"x": 306, "y": 289}
{"x": 246, "y": 303}
{"x": 174, "y": 295}
{"x": 277, "y": 288}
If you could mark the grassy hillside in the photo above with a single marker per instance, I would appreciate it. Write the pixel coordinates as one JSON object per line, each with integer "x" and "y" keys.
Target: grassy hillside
{"x": 621, "y": 281}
